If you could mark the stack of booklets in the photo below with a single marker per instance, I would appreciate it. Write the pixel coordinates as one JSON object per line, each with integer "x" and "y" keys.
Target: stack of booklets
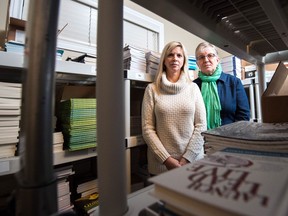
{"x": 232, "y": 65}
{"x": 78, "y": 122}
{"x": 248, "y": 135}
{"x": 63, "y": 188}
{"x": 152, "y": 59}
{"x": 86, "y": 206}
{"x": 192, "y": 65}
{"x": 15, "y": 47}
{"x": 89, "y": 197}
{"x": 229, "y": 182}
{"x": 58, "y": 141}
{"x": 134, "y": 59}
{"x": 10, "y": 108}
{"x": 88, "y": 188}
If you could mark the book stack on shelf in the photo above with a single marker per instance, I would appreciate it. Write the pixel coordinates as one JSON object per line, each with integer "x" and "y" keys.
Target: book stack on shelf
{"x": 78, "y": 123}
{"x": 14, "y": 47}
{"x": 232, "y": 65}
{"x": 58, "y": 141}
{"x": 63, "y": 188}
{"x": 192, "y": 63}
{"x": 192, "y": 67}
{"x": 10, "y": 108}
{"x": 88, "y": 201}
{"x": 152, "y": 61}
{"x": 134, "y": 59}
{"x": 248, "y": 135}
{"x": 229, "y": 182}
{"x": 88, "y": 188}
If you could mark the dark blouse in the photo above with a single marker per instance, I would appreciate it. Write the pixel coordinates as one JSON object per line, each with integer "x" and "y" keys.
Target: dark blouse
{"x": 233, "y": 98}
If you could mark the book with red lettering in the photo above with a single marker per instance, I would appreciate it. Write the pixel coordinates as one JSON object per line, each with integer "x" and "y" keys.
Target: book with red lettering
{"x": 228, "y": 182}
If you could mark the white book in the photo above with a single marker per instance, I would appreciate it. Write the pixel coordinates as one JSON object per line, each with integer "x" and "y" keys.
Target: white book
{"x": 235, "y": 182}
{"x": 58, "y": 147}
{"x": 87, "y": 185}
{"x": 64, "y": 201}
{"x": 8, "y": 140}
{"x": 10, "y": 92}
{"x": 9, "y": 106}
{"x": 9, "y": 130}
{"x": 9, "y": 123}
{"x": 11, "y": 101}
{"x": 7, "y": 150}
{"x": 10, "y": 118}
{"x": 63, "y": 188}
{"x": 9, "y": 84}
{"x": 58, "y": 137}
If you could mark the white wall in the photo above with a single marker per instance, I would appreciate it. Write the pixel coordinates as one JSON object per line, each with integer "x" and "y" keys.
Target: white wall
{"x": 172, "y": 31}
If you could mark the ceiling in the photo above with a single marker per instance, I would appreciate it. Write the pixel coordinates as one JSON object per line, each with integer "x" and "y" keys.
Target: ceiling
{"x": 253, "y": 30}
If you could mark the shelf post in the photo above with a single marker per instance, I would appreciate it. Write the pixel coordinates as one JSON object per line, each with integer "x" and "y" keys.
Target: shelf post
{"x": 37, "y": 192}
{"x": 110, "y": 109}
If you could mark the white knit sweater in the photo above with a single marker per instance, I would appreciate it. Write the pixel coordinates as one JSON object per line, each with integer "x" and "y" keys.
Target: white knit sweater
{"x": 172, "y": 122}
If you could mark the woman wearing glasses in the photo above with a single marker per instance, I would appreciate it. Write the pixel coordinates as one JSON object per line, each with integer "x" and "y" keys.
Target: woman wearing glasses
{"x": 224, "y": 95}
{"x": 173, "y": 114}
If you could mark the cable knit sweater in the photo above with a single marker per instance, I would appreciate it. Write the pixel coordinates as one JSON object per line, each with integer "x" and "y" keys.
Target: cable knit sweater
{"x": 172, "y": 122}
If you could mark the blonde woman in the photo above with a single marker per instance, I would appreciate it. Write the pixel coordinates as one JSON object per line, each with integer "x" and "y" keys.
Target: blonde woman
{"x": 173, "y": 114}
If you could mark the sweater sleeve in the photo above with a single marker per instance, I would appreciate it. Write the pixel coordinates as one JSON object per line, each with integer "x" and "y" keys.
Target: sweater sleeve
{"x": 149, "y": 125}
{"x": 195, "y": 148}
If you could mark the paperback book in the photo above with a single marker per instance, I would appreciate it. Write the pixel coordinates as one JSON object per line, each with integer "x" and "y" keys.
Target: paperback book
{"x": 229, "y": 182}
{"x": 86, "y": 205}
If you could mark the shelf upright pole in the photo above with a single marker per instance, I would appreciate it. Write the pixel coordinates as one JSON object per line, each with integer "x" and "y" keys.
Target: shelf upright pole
{"x": 262, "y": 86}
{"x": 37, "y": 192}
{"x": 110, "y": 110}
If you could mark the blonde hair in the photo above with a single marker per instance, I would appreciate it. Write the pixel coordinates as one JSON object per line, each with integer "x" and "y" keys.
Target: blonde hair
{"x": 166, "y": 51}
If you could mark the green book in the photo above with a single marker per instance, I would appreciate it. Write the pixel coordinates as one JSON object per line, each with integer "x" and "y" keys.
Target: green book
{"x": 78, "y": 103}
{"x": 82, "y": 146}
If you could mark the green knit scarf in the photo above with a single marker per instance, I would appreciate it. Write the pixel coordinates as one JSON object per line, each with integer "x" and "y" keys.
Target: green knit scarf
{"x": 211, "y": 98}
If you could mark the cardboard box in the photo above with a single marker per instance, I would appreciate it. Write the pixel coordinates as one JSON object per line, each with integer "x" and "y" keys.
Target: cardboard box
{"x": 274, "y": 100}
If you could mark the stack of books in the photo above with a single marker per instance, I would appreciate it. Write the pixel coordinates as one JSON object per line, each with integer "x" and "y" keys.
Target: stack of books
{"x": 10, "y": 109}
{"x": 86, "y": 206}
{"x": 192, "y": 65}
{"x": 78, "y": 122}
{"x": 14, "y": 47}
{"x": 248, "y": 135}
{"x": 63, "y": 188}
{"x": 152, "y": 60}
{"x": 88, "y": 188}
{"x": 134, "y": 59}
{"x": 232, "y": 65}
{"x": 58, "y": 142}
{"x": 238, "y": 175}
{"x": 89, "y": 197}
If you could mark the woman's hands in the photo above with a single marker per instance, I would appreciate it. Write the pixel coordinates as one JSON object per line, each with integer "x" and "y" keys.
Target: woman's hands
{"x": 172, "y": 163}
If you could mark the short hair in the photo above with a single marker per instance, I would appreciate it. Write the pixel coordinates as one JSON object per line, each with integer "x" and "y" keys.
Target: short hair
{"x": 204, "y": 45}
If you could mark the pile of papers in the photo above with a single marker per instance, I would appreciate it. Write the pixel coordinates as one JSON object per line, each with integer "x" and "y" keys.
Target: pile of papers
{"x": 78, "y": 122}
{"x": 10, "y": 109}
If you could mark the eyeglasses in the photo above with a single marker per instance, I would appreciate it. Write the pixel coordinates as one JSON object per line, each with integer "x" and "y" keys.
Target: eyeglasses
{"x": 209, "y": 56}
